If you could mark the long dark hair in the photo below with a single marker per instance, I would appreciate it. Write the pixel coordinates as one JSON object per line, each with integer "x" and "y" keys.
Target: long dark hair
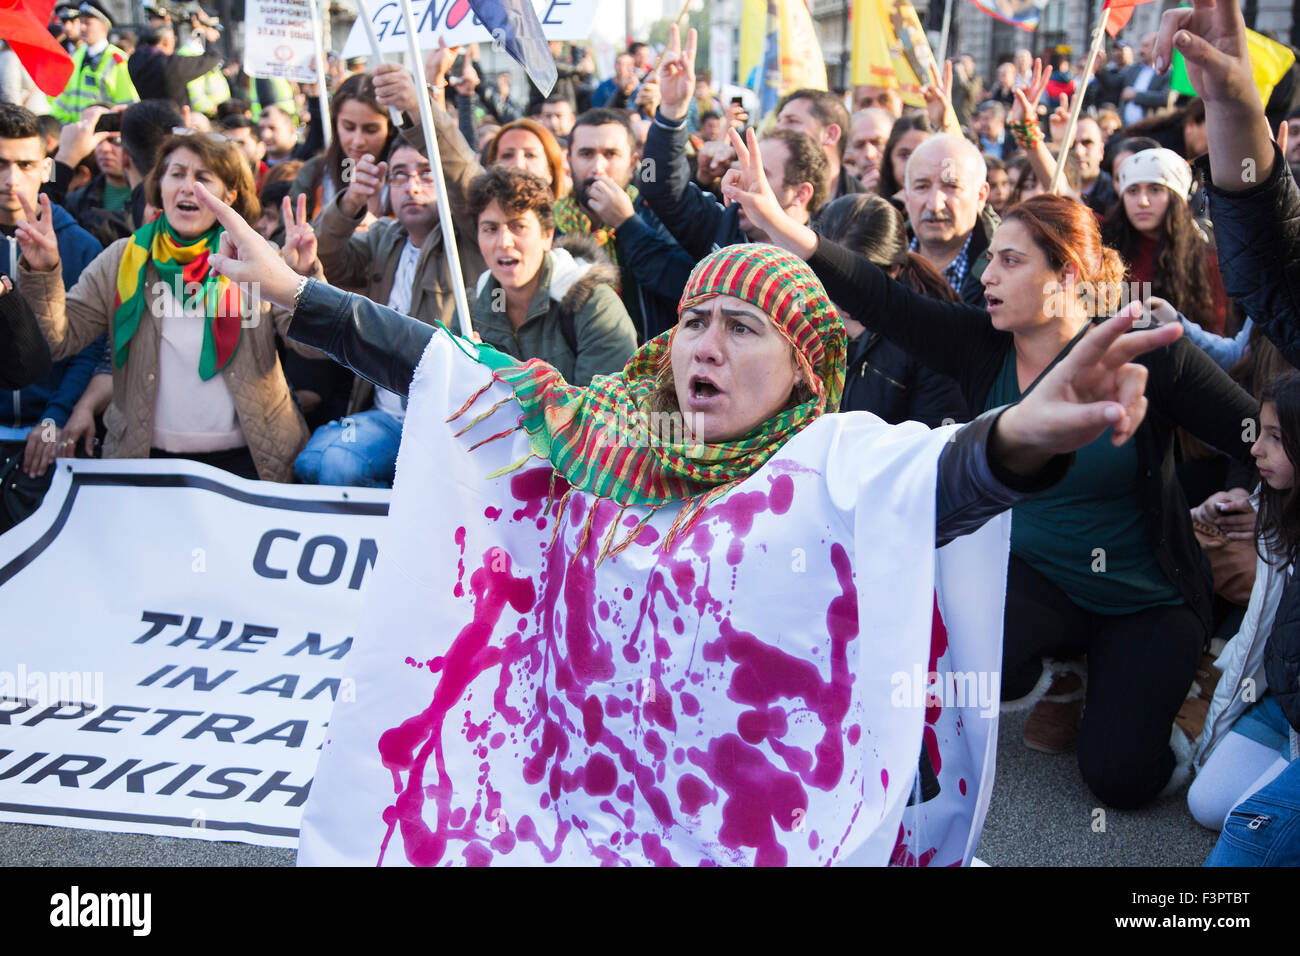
{"x": 1180, "y": 274}
{"x": 1277, "y": 526}
{"x": 870, "y": 226}
{"x": 906, "y": 124}
{"x": 361, "y": 88}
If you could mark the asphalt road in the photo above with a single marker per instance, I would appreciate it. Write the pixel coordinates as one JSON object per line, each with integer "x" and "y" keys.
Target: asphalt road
{"x": 1041, "y": 815}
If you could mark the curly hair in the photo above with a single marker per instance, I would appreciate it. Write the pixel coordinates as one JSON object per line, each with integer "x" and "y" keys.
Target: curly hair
{"x": 1180, "y": 275}
{"x": 514, "y": 190}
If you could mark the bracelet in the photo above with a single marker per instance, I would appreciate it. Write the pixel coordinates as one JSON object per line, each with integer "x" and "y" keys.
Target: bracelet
{"x": 1028, "y": 134}
{"x": 297, "y": 292}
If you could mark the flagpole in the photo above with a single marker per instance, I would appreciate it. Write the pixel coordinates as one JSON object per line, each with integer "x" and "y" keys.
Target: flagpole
{"x": 943, "y": 35}
{"x": 435, "y": 161}
{"x": 322, "y": 77}
{"x": 1079, "y": 91}
{"x": 364, "y": 14}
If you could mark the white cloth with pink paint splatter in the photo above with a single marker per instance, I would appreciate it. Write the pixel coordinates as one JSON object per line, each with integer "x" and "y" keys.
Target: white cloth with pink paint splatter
{"x": 748, "y": 697}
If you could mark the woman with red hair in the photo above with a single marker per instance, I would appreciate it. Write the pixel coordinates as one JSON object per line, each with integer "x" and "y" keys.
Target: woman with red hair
{"x": 1106, "y": 563}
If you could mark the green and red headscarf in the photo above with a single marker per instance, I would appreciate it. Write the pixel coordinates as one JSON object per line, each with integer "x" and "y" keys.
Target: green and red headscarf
{"x": 182, "y": 265}
{"x": 601, "y": 438}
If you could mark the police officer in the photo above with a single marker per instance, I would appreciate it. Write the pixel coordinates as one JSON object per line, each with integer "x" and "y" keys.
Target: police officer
{"x": 99, "y": 70}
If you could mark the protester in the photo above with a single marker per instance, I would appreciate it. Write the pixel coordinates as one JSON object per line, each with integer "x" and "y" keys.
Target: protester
{"x": 236, "y": 413}
{"x": 242, "y": 131}
{"x": 402, "y": 262}
{"x": 361, "y": 127}
{"x": 539, "y": 300}
{"x": 103, "y": 207}
{"x": 821, "y": 115}
{"x": 946, "y": 196}
{"x": 40, "y": 409}
{"x": 1154, "y": 232}
{"x": 999, "y": 180}
{"x": 557, "y": 115}
{"x": 1049, "y": 276}
{"x": 99, "y": 69}
{"x": 868, "y": 135}
{"x": 990, "y": 125}
{"x": 907, "y": 134}
{"x": 1248, "y": 741}
{"x": 886, "y": 98}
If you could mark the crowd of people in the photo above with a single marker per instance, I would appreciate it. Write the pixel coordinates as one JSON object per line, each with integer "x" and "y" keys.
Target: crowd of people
{"x": 960, "y": 279}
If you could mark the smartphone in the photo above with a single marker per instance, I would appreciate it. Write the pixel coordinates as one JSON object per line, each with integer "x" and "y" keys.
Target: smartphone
{"x": 109, "y": 123}
{"x": 738, "y": 101}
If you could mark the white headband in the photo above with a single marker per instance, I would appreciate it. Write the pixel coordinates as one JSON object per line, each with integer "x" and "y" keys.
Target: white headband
{"x": 1162, "y": 166}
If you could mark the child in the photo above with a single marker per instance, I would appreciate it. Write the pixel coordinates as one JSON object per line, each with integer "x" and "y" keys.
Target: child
{"x": 1250, "y": 735}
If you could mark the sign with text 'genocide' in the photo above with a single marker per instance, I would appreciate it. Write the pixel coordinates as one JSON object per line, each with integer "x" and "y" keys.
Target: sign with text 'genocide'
{"x": 279, "y": 40}
{"x": 456, "y": 23}
{"x": 172, "y": 642}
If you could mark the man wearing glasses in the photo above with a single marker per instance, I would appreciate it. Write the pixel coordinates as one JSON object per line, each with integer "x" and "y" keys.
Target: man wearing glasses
{"x": 400, "y": 262}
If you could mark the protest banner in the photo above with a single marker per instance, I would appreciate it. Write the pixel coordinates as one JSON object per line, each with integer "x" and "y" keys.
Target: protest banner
{"x": 173, "y": 639}
{"x": 457, "y": 24}
{"x": 280, "y": 40}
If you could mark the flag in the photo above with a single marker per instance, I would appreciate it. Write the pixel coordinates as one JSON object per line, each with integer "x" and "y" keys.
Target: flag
{"x": 1269, "y": 61}
{"x": 515, "y": 28}
{"x": 1024, "y": 14}
{"x": 890, "y": 48}
{"x": 1121, "y": 11}
{"x": 23, "y": 27}
{"x": 753, "y": 34}
{"x": 792, "y": 57}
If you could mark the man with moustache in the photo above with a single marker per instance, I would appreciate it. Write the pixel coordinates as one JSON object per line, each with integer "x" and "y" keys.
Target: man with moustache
{"x": 946, "y": 197}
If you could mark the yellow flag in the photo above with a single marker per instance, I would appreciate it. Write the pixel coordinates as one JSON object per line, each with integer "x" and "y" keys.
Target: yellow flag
{"x": 890, "y": 48}
{"x": 753, "y": 28}
{"x": 1269, "y": 61}
{"x": 802, "y": 63}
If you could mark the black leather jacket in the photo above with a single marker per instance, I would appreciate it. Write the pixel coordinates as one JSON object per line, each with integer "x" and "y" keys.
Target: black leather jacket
{"x": 384, "y": 346}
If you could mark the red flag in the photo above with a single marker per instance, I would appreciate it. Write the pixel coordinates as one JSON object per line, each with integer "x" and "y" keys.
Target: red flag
{"x": 23, "y": 26}
{"x": 1120, "y": 13}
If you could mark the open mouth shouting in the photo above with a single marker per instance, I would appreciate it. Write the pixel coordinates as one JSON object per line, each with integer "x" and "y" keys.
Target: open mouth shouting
{"x": 703, "y": 393}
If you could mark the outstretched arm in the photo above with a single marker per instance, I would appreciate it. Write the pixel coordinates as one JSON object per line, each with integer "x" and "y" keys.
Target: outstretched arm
{"x": 378, "y": 343}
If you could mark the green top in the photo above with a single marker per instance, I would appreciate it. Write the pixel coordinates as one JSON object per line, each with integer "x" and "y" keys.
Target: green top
{"x": 116, "y": 197}
{"x": 1087, "y": 535}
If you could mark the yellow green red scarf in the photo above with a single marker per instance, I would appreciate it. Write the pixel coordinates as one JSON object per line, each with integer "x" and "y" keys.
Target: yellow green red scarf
{"x": 571, "y": 220}
{"x": 605, "y": 439}
{"x": 182, "y": 266}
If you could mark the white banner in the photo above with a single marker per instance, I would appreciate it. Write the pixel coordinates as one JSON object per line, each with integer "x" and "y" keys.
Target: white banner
{"x": 172, "y": 641}
{"x": 457, "y": 24}
{"x": 280, "y": 40}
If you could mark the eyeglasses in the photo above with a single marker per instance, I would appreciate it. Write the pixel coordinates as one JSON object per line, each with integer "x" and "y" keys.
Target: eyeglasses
{"x": 402, "y": 177}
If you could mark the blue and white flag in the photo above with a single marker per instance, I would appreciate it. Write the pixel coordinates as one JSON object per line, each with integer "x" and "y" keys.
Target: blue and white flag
{"x": 516, "y": 30}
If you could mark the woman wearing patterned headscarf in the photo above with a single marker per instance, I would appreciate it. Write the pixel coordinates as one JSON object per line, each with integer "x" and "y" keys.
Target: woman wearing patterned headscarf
{"x": 680, "y": 615}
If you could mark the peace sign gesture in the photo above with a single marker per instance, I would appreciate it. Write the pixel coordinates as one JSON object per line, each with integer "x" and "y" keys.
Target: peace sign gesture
{"x": 1026, "y": 105}
{"x": 677, "y": 74}
{"x": 299, "y": 249}
{"x": 747, "y": 184}
{"x": 35, "y": 234}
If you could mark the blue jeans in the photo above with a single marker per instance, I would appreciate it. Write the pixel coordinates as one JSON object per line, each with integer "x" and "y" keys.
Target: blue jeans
{"x": 1264, "y": 829}
{"x": 360, "y": 451}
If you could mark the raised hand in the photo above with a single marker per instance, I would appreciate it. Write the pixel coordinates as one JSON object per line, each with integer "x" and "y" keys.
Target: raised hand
{"x": 1027, "y": 98}
{"x": 677, "y": 74}
{"x": 35, "y": 235}
{"x": 1059, "y": 121}
{"x": 938, "y": 102}
{"x": 1211, "y": 36}
{"x": 439, "y": 60}
{"x": 747, "y": 184}
{"x": 395, "y": 87}
{"x": 1097, "y": 386}
{"x": 246, "y": 258}
{"x": 299, "y": 249}
{"x": 78, "y": 140}
{"x": 468, "y": 81}
{"x": 367, "y": 181}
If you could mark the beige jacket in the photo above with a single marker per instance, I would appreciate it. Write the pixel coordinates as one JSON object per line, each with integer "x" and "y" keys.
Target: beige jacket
{"x": 270, "y": 420}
